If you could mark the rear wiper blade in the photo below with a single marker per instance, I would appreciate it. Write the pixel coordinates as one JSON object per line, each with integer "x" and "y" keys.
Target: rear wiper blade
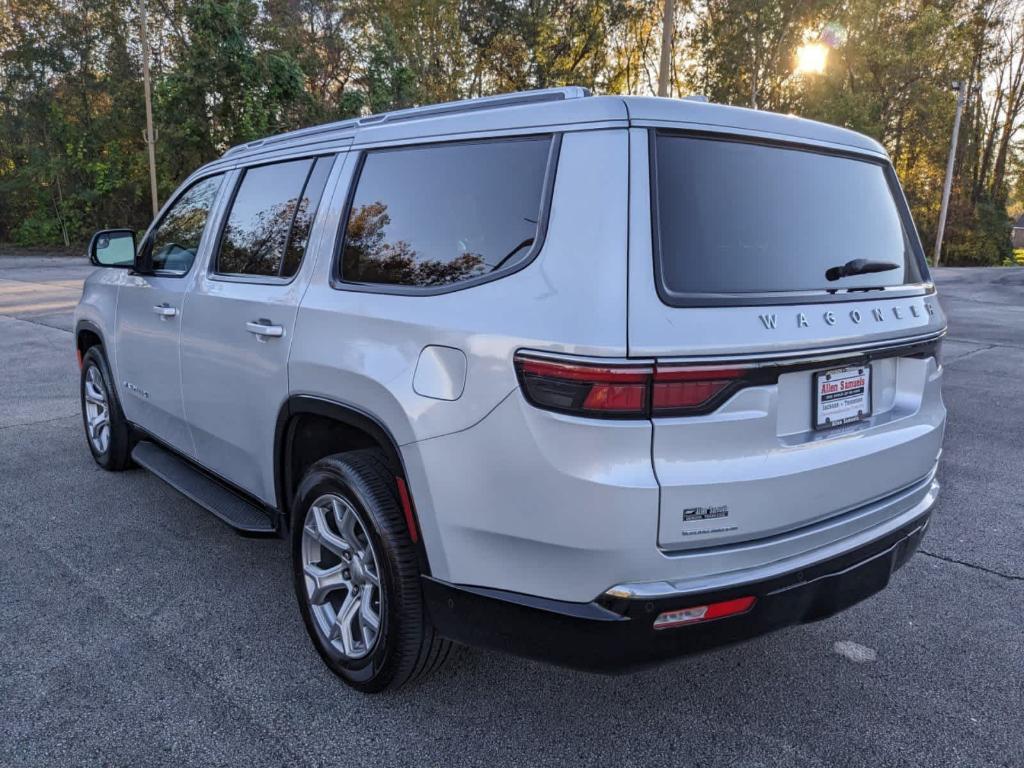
{"x": 858, "y": 267}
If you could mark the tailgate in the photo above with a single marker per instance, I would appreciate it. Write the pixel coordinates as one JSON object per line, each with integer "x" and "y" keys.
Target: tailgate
{"x": 757, "y": 466}
{"x": 798, "y": 271}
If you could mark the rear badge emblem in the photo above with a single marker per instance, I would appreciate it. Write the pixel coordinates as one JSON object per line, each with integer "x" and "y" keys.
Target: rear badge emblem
{"x": 705, "y": 513}
{"x": 770, "y": 320}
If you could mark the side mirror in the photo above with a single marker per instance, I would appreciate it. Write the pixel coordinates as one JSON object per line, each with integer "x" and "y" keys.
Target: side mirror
{"x": 113, "y": 248}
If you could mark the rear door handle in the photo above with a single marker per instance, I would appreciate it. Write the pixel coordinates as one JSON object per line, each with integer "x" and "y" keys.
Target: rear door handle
{"x": 263, "y": 328}
{"x": 165, "y": 310}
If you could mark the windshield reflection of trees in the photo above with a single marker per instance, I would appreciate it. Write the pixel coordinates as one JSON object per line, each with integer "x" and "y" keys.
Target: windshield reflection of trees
{"x": 369, "y": 257}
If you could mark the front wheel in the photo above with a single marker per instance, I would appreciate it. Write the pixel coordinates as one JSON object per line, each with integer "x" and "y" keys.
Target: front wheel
{"x": 357, "y": 574}
{"x": 106, "y": 429}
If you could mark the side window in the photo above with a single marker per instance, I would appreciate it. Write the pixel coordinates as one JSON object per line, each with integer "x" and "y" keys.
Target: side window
{"x": 442, "y": 214}
{"x": 175, "y": 240}
{"x": 270, "y": 218}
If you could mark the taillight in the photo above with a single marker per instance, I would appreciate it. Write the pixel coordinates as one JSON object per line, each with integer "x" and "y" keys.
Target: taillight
{"x": 584, "y": 389}
{"x": 625, "y": 391}
{"x": 681, "y": 388}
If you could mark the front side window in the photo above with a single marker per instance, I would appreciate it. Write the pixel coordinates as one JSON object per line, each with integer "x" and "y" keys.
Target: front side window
{"x": 744, "y": 218}
{"x": 432, "y": 216}
{"x": 268, "y": 225}
{"x": 175, "y": 241}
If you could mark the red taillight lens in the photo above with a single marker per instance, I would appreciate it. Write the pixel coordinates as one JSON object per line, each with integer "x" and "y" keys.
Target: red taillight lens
{"x": 699, "y": 613}
{"x": 625, "y": 391}
{"x": 597, "y": 390}
{"x": 681, "y": 388}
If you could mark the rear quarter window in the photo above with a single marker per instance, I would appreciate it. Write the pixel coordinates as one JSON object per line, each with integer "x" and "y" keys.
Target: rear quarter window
{"x": 427, "y": 218}
{"x": 736, "y": 220}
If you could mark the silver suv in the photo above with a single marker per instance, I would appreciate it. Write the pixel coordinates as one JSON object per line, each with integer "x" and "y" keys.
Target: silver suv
{"x": 596, "y": 380}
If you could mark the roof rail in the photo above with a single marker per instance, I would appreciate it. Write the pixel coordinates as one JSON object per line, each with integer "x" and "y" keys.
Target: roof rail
{"x": 414, "y": 113}
{"x": 289, "y": 135}
{"x": 484, "y": 102}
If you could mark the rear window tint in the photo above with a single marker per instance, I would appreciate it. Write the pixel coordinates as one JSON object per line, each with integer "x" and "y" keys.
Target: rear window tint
{"x": 743, "y": 218}
{"x": 428, "y": 217}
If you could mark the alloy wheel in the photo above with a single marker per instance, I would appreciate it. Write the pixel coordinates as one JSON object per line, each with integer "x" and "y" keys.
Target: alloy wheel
{"x": 342, "y": 576}
{"x": 97, "y": 410}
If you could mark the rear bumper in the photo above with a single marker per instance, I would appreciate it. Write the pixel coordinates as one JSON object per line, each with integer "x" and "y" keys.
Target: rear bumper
{"x": 616, "y": 634}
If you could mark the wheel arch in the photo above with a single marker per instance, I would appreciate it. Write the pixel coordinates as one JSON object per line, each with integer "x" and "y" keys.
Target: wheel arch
{"x": 309, "y": 428}
{"x": 88, "y": 334}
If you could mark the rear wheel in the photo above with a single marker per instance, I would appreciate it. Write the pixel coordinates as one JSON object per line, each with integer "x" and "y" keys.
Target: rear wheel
{"x": 357, "y": 574}
{"x": 106, "y": 429}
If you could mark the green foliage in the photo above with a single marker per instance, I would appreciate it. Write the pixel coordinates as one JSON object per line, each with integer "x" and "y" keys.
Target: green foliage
{"x": 227, "y": 88}
{"x": 389, "y": 79}
{"x": 982, "y": 239}
{"x": 73, "y": 159}
{"x": 745, "y": 49}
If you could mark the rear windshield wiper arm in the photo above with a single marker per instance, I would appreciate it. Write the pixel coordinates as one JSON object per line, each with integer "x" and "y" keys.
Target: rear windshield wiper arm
{"x": 858, "y": 267}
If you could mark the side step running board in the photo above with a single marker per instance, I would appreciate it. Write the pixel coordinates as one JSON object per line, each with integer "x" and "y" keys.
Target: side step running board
{"x": 242, "y": 515}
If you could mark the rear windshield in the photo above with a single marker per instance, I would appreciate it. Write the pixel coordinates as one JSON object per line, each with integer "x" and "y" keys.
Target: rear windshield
{"x": 736, "y": 217}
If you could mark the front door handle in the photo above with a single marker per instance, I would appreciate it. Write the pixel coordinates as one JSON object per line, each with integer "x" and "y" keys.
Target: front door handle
{"x": 165, "y": 310}
{"x": 264, "y": 328}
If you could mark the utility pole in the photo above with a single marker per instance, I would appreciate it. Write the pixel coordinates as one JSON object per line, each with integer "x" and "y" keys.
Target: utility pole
{"x": 150, "y": 136}
{"x": 961, "y": 93}
{"x": 667, "y": 27}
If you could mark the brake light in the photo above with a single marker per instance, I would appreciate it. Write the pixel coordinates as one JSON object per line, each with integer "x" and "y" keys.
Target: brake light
{"x": 690, "y": 387}
{"x": 585, "y": 389}
{"x": 699, "y": 613}
{"x": 624, "y": 391}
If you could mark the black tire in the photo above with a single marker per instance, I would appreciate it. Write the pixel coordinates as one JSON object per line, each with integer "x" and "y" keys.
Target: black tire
{"x": 117, "y": 454}
{"x": 406, "y": 646}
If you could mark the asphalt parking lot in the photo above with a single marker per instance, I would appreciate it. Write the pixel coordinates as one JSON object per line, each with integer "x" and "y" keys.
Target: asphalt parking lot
{"x": 135, "y": 629}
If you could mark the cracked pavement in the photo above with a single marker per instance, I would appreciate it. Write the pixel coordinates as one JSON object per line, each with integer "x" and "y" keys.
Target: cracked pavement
{"x": 135, "y": 629}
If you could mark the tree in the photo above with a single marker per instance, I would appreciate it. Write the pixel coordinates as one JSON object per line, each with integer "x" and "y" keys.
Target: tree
{"x": 72, "y": 157}
{"x": 227, "y": 87}
{"x": 743, "y": 49}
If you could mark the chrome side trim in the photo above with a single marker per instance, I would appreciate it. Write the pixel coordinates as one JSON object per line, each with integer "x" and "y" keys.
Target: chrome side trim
{"x": 663, "y": 589}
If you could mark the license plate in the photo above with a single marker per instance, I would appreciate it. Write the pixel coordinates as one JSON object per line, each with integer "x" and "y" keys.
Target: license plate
{"x": 842, "y": 396}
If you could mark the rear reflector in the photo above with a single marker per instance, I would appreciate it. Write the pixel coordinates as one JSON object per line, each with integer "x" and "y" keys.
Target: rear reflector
{"x": 410, "y": 518}
{"x": 699, "y": 613}
{"x": 625, "y": 391}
